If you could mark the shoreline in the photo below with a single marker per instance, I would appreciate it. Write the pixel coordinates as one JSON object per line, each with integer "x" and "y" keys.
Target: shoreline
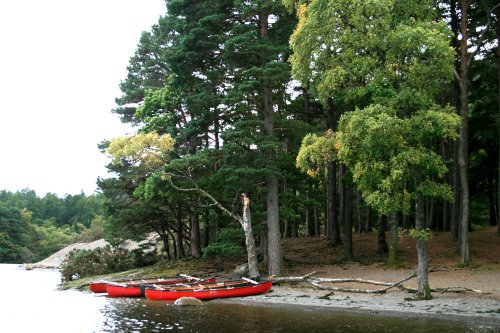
{"x": 471, "y": 310}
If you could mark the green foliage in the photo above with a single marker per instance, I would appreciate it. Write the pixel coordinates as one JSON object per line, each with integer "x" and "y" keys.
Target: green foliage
{"x": 424, "y": 234}
{"x": 33, "y": 228}
{"x": 315, "y": 152}
{"x": 383, "y": 150}
{"x": 230, "y": 245}
{"x": 82, "y": 263}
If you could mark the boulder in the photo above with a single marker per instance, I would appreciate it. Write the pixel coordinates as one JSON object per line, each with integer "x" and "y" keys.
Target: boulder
{"x": 187, "y": 301}
{"x": 241, "y": 270}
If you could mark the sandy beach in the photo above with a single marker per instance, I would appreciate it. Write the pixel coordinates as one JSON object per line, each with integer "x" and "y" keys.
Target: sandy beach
{"x": 481, "y": 311}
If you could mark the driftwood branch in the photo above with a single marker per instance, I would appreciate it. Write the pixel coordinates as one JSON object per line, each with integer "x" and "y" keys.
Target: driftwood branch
{"x": 317, "y": 282}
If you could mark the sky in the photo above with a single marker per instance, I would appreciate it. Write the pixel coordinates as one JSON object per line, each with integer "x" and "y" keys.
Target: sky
{"x": 61, "y": 63}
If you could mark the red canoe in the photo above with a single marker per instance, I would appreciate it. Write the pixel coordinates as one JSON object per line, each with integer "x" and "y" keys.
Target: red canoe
{"x": 100, "y": 286}
{"x": 137, "y": 289}
{"x": 238, "y": 288}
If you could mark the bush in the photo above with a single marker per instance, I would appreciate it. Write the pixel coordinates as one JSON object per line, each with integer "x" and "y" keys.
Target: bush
{"x": 82, "y": 263}
{"x": 231, "y": 244}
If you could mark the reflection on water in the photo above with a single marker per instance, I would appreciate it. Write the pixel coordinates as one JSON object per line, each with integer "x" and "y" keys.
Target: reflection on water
{"x": 32, "y": 303}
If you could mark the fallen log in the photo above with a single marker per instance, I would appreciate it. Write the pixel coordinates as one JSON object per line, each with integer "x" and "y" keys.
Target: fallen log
{"x": 316, "y": 282}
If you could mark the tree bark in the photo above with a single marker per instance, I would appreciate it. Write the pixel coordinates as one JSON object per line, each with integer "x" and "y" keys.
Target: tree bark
{"x": 179, "y": 238}
{"x": 206, "y": 237}
{"x": 360, "y": 216}
{"x": 498, "y": 64}
{"x": 463, "y": 151}
{"x": 423, "y": 288}
{"x": 246, "y": 222}
{"x": 455, "y": 213}
{"x": 275, "y": 263}
{"x": 194, "y": 233}
{"x": 309, "y": 214}
{"x": 382, "y": 226}
{"x": 348, "y": 251}
{"x": 332, "y": 219}
{"x": 393, "y": 248}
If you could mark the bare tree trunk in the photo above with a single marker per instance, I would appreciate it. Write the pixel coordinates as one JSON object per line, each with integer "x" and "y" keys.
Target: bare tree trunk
{"x": 393, "y": 247}
{"x": 446, "y": 204}
{"x": 275, "y": 263}
{"x": 498, "y": 64}
{"x": 348, "y": 250}
{"x": 309, "y": 214}
{"x": 179, "y": 238}
{"x": 423, "y": 287}
{"x": 360, "y": 218}
{"x": 463, "y": 151}
{"x": 246, "y": 222}
{"x": 368, "y": 219}
{"x": 455, "y": 214}
{"x": 382, "y": 226}
{"x": 332, "y": 216}
{"x": 206, "y": 237}
{"x": 491, "y": 199}
{"x": 194, "y": 233}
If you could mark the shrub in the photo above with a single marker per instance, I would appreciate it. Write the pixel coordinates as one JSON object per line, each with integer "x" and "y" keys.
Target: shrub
{"x": 231, "y": 244}
{"x": 82, "y": 263}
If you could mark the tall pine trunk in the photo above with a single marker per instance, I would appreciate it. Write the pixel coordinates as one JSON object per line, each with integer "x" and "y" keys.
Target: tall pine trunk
{"x": 194, "y": 233}
{"x": 463, "y": 151}
{"x": 498, "y": 68}
{"x": 275, "y": 263}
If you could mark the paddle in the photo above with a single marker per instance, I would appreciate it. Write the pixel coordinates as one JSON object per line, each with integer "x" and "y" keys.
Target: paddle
{"x": 250, "y": 280}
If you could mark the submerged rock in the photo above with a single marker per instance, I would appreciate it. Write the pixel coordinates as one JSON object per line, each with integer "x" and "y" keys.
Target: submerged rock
{"x": 186, "y": 301}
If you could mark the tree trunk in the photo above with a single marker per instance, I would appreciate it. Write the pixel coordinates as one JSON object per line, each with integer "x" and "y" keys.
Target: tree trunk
{"x": 491, "y": 199}
{"x": 463, "y": 151}
{"x": 194, "y": 233}
{"x": 333, "y": 221}
{"x": 332, "y": 217}
{"x": 393, "y": 248}
{"x": 206, "y": 237}
{"x": 246, "y": 222}
{"x": 360, "y": 218}
{"x": 423, "y": 288}
{"x": 164, "y": 238}
{"x": 275, "y": 263}
{"x": 382, "y": 243}
{"x": 263, "y": 244}
{"x": 368, "y": 219}
{"x": 446, "y": 204}
{"x": 497, "y": 30}
{"x": 348, "y": 252}
{"x": 455, "y": 213}
{"x": 498, "y": 64}
{"x": 309, "y": 214}
{"x": 455, "y": 92}
{"x": 342, "y": 196}
{"x": 179, "y": 238}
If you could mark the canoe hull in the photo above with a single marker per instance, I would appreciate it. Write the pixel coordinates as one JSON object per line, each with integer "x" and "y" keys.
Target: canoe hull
{"x": 208, "y": 294}
{"x": 98, "y": 287}
{"x": 137, "y": 290}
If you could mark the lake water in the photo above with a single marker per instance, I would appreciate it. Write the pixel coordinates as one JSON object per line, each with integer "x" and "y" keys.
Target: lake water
{"x": 30, "y": 302}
